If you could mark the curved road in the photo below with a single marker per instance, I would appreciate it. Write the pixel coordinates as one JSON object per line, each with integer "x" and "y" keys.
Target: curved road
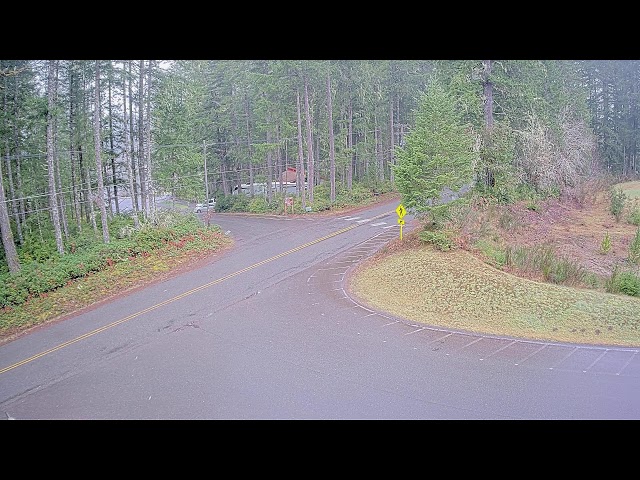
{"x": 267, "y": 331}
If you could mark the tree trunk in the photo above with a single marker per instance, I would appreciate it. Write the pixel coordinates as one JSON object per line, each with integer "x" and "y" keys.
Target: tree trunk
{"x": 61, "y": 205}
{"x": 12, "y": 192}
{"x": 21, "y": 203}
{"x": 225, "y": 187}
{"x": 132, "y": 151}
{"x": 127, "y": 161}
{"x": 98, "y": 147}
{"x": 488, "y": 120}
{"x": 151, "y": 194}
{"x": 310, "y": 159}
{"x": 15, "y": 204}
{"x": 350, "y": 147}
{"x": 391, "y": 139}
{"x": 53, "y": 197}
{"x": 363, "y": 163}
{"x": 72, "y": 157}
{"x": 269, "y": 169}
{"x": 85, "y": 187}
{"x": 280, "y": 169}
{"x": 332, "y": 147}
{"x": 90, "y": 210}
{"x": 112, "y": 157}
{"x": 378, "y": 147}
{"x": 142, "y": 169}
{"x": 56, "y": 160}
{"x": 300, "y": 172}
{"x": 10, "y": 252}
{"x": 247, "y": 116}
{"x": 107, "y": 189}
{"x": 9, "y": 245}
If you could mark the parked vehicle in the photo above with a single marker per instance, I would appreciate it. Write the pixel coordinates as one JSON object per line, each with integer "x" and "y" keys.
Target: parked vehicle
{"x": 200, "y": 207}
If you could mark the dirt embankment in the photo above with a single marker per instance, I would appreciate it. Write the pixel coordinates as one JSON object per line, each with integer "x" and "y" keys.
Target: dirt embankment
{"x": 574, "y": 227}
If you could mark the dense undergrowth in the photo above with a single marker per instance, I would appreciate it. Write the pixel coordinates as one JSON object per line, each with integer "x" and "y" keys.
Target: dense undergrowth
{"x": 359, "y": 194}
{"x": 44, "y": 269}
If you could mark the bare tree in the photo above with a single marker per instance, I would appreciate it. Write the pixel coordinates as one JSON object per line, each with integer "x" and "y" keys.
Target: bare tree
{"x": 98, "y": 147}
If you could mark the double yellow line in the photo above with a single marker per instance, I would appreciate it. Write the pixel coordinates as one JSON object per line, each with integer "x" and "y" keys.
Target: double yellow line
{"x": 182, "y": 295}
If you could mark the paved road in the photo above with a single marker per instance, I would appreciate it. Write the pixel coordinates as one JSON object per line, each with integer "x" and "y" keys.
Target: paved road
{"x": 268, "y": 331}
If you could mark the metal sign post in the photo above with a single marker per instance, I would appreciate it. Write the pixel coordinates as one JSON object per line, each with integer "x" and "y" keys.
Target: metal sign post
{"x": 401, "y": 211}
{"x": 288, "y": 202}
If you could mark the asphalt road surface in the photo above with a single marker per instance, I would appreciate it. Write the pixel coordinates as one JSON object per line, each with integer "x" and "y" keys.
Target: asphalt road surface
{"x": 268, "y": 331}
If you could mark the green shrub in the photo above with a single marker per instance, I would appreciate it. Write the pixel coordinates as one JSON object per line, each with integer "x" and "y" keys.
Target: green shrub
{"x": 532, "y": 204}
{"x": 497, "y": 254}
{"x": 624, "y": 282}
{"x": 605, "y": 245}
{"x": 232, "y": 203}
{"x": 358, "y": 194}
{"x": 35, "y": 249}
{"x": 618, "y": 200}
{"x": 634, "y": 248}
{"x": 543, "y": 260}
{"x": 634, "y": 216}
{"x": 552, "y": 191}
{"x": 565, "y": 272}
{"x": 259, "y": 204}
{"x": 319, "y": 203}
{"x": 438, "y": 238}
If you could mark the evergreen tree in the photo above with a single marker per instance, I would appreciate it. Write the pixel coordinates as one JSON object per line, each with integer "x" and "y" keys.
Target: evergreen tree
{"x": 438, "y": 152}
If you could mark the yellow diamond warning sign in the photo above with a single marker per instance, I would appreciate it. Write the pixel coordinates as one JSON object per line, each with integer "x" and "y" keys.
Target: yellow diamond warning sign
{"x": 401, "y": 211}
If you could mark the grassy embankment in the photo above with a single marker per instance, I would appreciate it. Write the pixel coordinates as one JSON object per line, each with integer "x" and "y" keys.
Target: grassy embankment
{"x": 457, "y": 289}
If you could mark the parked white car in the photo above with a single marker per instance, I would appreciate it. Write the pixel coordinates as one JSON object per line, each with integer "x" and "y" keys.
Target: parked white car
{"x": 200, "y": 207}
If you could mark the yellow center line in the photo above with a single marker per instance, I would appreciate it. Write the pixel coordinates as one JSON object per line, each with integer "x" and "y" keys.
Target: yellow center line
{"x": 182, "y": 295}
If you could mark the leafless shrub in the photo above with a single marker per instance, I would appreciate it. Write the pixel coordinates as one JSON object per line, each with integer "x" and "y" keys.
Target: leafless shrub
{"x": 560, "y": 159}
{"x": 585, "y": 192}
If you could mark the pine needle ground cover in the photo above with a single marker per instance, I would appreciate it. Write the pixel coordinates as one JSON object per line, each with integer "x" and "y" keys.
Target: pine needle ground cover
{"x": 455, "y": 289}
